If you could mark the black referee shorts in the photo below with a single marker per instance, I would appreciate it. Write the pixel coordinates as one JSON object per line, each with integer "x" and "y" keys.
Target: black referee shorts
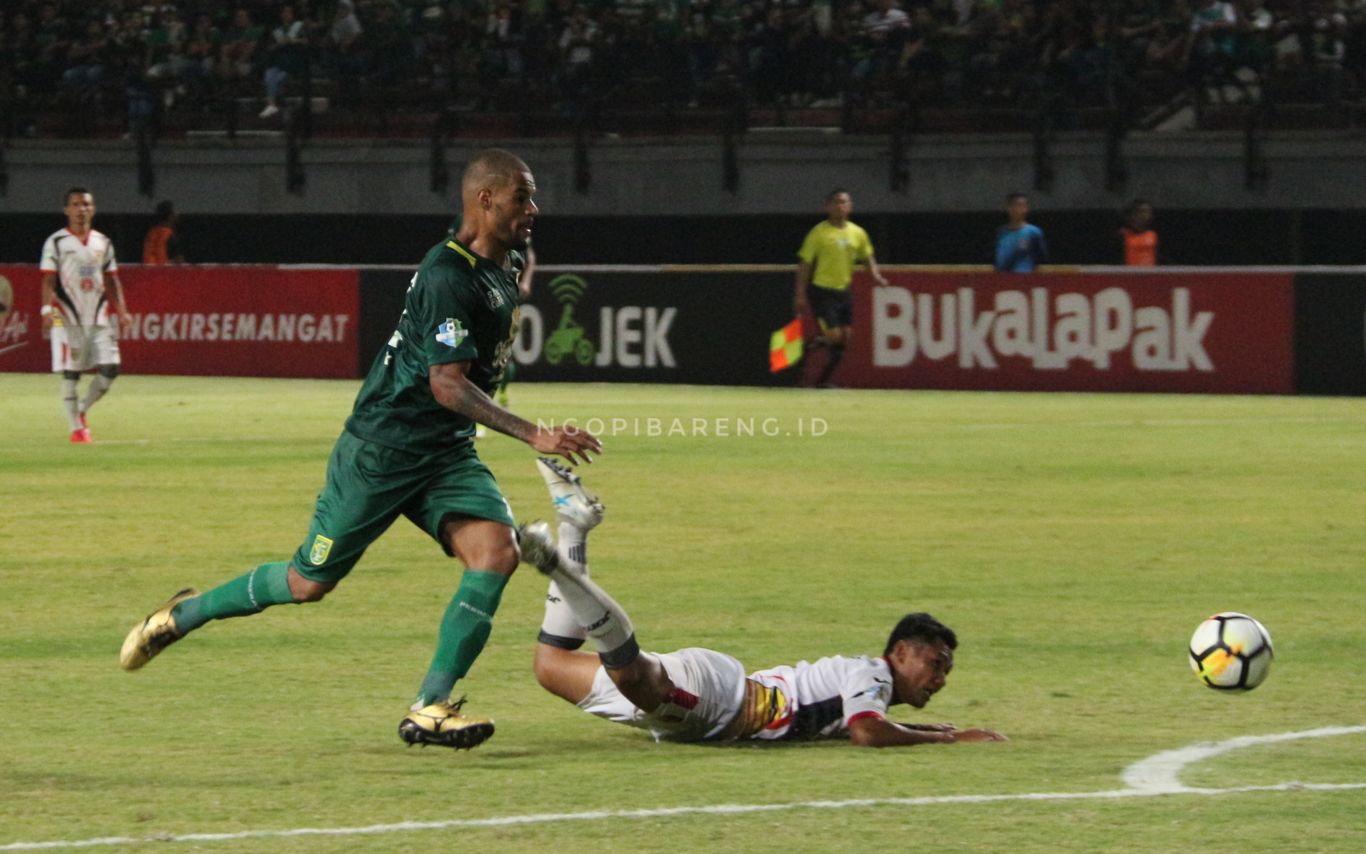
{"x": 831, "y": 307}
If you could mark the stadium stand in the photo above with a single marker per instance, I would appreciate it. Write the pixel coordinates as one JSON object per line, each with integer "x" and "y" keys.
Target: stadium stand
{"x": 394, "y": 68}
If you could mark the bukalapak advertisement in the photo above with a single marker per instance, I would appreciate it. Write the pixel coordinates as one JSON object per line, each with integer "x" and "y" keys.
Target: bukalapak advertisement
{"x": 1224, "y": 332}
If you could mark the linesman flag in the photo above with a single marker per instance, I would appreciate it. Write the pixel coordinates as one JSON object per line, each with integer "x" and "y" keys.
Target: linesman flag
{"x": 785, "y": 347}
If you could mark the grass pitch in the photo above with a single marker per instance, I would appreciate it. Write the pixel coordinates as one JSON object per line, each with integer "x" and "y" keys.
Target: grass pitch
{"x": 1073, "y": 541}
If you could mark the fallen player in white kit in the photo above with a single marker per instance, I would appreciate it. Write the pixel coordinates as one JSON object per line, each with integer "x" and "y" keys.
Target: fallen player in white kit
{"x": 703, "y": 695}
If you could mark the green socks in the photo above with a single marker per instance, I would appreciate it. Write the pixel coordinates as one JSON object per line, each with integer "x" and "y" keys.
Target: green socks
{"x": 464, "y": 630}
{"x": 465, "y": 627}
{"x": 266, "y": 585}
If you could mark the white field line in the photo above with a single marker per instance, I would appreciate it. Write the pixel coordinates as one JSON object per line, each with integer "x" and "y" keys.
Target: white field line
{"x": 665, "y": 812}
{"x": 1140, "y": 423}
{"x": 192, "y": 440}
{"x": 1155, "y": 776}
{"x": 1154, "y": 422}
{"x": 1161, "y": 773}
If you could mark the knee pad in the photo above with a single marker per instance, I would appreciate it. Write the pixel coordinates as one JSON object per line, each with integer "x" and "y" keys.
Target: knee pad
{"x": 71, "y": 375}
{"x": 108, "y": 371}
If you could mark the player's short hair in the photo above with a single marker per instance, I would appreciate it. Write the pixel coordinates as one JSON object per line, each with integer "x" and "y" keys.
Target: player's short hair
{"x": 1016, "y": 194}
{"x": 1135, "y": 205}
{"x": 164, "y": 210}
{"x": 920, "y": 628}
{"x": 66, "y": 200}
{"x": 830, "y": 196}
{"x": 491, "y": 167}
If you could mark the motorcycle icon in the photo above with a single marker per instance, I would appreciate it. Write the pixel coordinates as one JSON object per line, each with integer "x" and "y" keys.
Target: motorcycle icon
{"x": 569, "y": 337}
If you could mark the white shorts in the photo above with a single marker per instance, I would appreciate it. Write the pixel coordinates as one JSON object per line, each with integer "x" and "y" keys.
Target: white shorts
{"x": 80, "y": 348}
{"x": 709, "y": 689}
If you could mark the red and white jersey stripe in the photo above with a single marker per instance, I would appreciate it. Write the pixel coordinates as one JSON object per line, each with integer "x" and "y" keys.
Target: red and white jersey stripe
{"x": 80, "y": 265}
{"x": 823, "y": 697}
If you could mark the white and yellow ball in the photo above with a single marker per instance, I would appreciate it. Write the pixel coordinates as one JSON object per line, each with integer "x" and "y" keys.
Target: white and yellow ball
{"x": 1231, "y": 652}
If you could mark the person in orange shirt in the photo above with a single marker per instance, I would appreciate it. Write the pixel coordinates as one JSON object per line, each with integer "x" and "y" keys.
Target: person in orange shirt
{"x": 160, "y": 246}
{"x": 1138, "y": 241}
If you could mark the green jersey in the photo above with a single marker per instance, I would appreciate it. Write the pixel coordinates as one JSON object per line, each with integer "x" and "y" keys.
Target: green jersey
{"x": 459, "y": 307}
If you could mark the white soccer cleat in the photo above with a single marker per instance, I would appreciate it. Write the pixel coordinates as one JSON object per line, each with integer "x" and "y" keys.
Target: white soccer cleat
{"x": 573, "y": 503}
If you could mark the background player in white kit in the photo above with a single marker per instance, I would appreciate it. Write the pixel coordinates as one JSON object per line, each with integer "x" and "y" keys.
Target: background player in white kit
{"x": 77, "y": 264}
{"x": 704, "y": 695}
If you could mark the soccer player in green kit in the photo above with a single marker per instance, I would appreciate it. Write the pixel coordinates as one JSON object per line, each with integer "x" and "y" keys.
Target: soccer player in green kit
{"x": 407, "y": 450}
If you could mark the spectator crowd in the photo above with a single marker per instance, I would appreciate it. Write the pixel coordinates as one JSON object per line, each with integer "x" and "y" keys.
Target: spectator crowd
{"x": 562, "y": 54}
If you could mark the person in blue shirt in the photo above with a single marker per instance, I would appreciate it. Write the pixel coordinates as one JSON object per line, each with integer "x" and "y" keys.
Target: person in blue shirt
{"x": 1020, "y": 245}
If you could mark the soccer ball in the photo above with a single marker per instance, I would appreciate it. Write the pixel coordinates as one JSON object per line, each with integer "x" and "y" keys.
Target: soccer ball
{"x": 1231, "y": 651}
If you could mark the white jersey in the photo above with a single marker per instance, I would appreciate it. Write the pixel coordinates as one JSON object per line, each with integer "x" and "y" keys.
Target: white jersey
{"x": 709, "y": 689}
{"x": 820, "y": 700}
{"x": 713, "y": 699}
{"x": 80, "y": 266}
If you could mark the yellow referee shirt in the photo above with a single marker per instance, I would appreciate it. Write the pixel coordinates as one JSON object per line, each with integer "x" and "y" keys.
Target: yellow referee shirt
{"x": 834, "y": 252}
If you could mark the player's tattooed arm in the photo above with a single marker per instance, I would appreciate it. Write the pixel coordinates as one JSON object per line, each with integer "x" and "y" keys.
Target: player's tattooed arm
{"x": 452, "y": 388}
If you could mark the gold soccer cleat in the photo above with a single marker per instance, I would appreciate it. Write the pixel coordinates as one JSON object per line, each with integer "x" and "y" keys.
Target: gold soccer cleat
{"x": 153, "y": 634}
{"x": 441, "y": 723}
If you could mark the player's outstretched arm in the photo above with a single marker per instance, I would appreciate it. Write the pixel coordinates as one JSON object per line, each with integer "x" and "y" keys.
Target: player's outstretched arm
{"x": 452, "y": 388}
{"x": 978, "y": 734}
{"x": 945, "y": 727}
{"x": 875, "y": 731}
{"x": 569, "y": 442}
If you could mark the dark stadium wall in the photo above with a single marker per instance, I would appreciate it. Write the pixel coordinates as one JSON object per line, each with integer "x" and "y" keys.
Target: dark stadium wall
{"x": 1330, "y": 334}
{"x": 669, "y": 200}
{"x": 1188, "y": 237}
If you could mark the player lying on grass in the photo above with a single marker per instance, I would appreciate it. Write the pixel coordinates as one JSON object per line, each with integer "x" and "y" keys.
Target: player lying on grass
{"x": 704, "y": 695}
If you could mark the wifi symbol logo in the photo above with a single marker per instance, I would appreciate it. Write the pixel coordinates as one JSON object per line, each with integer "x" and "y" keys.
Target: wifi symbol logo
{"x": 568, "y": 288}
{"x": 569, "y": 339}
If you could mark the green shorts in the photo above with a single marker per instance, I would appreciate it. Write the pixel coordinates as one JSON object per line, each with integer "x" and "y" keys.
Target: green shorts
{"x": 369, "y": 486}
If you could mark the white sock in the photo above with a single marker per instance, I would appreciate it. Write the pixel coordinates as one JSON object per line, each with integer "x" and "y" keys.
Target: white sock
{"x": 573, "y": 545}
{"x": 603, "y": 620}
{"x": 69, "y": 405}
{"x": 559, "y": 627}
{"x": 98, "y": 386}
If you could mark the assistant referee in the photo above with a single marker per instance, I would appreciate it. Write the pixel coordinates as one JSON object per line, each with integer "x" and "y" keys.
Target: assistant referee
{"x": 825, "y": 269}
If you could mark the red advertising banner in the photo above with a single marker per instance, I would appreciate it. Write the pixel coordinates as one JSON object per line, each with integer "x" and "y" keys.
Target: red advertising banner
{"x": 1144, "y": 332}
{"x": 21, "y": 344}
{"x": 220, "y": 321}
